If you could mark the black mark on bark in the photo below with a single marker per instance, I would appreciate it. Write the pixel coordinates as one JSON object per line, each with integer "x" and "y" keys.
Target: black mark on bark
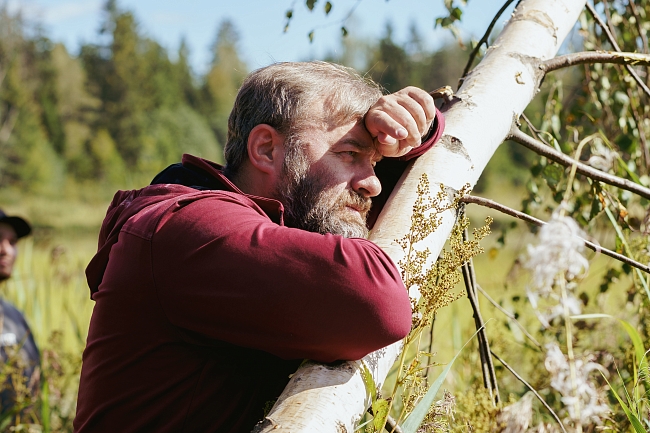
{"x": 454, "y": 145}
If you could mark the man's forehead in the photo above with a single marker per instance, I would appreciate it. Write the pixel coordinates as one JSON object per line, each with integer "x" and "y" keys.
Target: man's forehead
{"x": 359, "y": 137}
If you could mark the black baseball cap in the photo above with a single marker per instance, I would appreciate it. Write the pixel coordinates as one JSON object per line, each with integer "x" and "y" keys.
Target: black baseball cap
{"x": 21, "y": 226}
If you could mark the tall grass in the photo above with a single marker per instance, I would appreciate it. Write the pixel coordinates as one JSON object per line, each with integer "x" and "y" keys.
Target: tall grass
{"x": 49, "y": 287}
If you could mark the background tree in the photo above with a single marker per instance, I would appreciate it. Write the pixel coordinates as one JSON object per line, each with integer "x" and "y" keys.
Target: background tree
{"x": 223, "y": 80}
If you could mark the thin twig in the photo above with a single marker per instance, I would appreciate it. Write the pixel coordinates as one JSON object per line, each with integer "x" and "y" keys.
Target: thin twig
{"x": 433, "y": 322}
{"x": 484, "y": 40}
{"x": 539, "y": 397}
{"x": 619, "y": 58}
{"x": 509, "y": 315}
{"x": 533, "y": 130}
{"x": 489, "y": 375}
{"x": 530, "y": 219}
{"x": 642, "y": 35}
{"x": 582, "y": 168}
{"x": 612, "y": 40}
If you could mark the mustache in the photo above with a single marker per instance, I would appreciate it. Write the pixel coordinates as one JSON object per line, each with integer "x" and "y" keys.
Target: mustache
{"x": 355, "y": 200}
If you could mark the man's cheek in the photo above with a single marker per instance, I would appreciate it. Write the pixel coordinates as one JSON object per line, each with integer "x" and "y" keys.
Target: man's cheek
{"x": 5, "y": 270}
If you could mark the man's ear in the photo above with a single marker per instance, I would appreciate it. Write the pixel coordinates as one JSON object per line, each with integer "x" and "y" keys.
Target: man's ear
{"x": 266, "y": 149}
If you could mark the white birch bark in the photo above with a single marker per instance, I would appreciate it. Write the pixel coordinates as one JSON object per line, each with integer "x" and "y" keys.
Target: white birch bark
{"x": 324, "y": 399}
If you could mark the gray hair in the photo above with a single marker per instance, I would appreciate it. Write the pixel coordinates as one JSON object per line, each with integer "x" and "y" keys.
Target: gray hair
{"x": 287, "y": 97}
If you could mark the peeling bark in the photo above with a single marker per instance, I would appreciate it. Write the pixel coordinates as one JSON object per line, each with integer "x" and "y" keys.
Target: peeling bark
{"x": 478, "y": 119}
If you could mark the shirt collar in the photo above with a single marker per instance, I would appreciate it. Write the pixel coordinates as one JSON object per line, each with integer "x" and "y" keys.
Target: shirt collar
{"x": 273, "y": 208}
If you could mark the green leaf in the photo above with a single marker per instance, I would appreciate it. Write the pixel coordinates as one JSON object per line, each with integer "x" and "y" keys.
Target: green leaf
{"x": 311, "y": 36}
{"x": 328, "y": 8}
{"x": 288, "y": 15}
{"x": 380, "y": 413}
{"x": 310, "y": 4}
{"x": 412, "y": 423}
{"x": 368, "y": 381}
{"x": 552, "y": 174}
{"x": 456, "y": 13}
{"x": 638, "y": 427}
{"x": 344, "y": 31}
{"x": 444, "y": 22}
{"x": 379, "y": 406}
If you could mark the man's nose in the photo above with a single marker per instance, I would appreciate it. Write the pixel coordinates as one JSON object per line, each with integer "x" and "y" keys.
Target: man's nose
{"x": 367, "y": 183}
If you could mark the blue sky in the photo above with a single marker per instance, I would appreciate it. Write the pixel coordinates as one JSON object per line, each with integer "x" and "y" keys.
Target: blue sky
{"x": 260, "y": 23}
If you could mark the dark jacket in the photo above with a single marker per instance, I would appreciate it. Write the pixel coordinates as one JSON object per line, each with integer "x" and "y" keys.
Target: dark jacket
{"x": 16, "y": 339}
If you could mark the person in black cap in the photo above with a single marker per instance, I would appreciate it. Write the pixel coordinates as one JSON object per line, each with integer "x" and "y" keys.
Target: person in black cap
{"x": 17, "y": 345}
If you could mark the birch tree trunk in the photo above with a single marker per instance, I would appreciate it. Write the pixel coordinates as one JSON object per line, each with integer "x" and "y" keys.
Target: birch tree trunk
{"x": 322, "y": 398}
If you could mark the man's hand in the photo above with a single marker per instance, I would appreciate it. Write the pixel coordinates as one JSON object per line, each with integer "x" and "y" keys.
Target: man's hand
{"x": 398, "y": 121}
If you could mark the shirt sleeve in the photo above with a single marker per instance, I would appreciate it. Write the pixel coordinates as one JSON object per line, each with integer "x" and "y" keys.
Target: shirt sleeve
{"x": 223, "y": 270}
{"x": 389, "y": 170}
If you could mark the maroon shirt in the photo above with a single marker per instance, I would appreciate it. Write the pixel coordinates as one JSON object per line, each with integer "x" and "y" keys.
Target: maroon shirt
{"x": 206, "y": 303}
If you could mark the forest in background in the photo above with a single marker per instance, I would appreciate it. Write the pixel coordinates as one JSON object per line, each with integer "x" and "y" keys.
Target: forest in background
{"x": 122, "y": 108}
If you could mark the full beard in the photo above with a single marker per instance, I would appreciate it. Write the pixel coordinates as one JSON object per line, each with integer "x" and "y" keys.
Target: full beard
{"x": 313, "y": 205}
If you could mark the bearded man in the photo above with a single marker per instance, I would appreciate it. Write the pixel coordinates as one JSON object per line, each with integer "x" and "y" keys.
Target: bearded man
{"x": 213, "y": 284}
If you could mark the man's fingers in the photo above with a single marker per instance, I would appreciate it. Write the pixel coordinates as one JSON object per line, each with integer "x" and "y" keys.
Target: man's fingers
{"x": 384, "y": 138}
{"x": 413, "y": 111}
{"x": 399, "y": 120}
{"x": 388, "y": 146}
{"x": 397, "y": 124}
{"x": 425, "y": 101}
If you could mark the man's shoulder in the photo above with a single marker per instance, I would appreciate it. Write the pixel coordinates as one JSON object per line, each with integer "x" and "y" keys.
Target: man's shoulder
{"x": 14, "y": 325}
{"x": 10, "y": 311}
{"x": 192, "y": 205}
{"x": 167, "y": 205}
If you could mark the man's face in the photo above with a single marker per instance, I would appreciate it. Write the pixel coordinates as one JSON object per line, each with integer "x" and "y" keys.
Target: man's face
{"x": 8, "y": 240}
{"x": 329, "y": 178}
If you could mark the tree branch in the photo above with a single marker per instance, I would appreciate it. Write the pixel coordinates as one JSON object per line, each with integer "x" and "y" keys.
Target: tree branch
{"x": 539, "y": 397}
{"x": 644, "y": 39}
{"x": 484, "y": 40}
{"x": 582, "y": 168}
{"x": 612, "y": 40}
{"x": 489, "y": 375}
{"x": 619, "y": 58}
{"x": 532, "y": 220}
